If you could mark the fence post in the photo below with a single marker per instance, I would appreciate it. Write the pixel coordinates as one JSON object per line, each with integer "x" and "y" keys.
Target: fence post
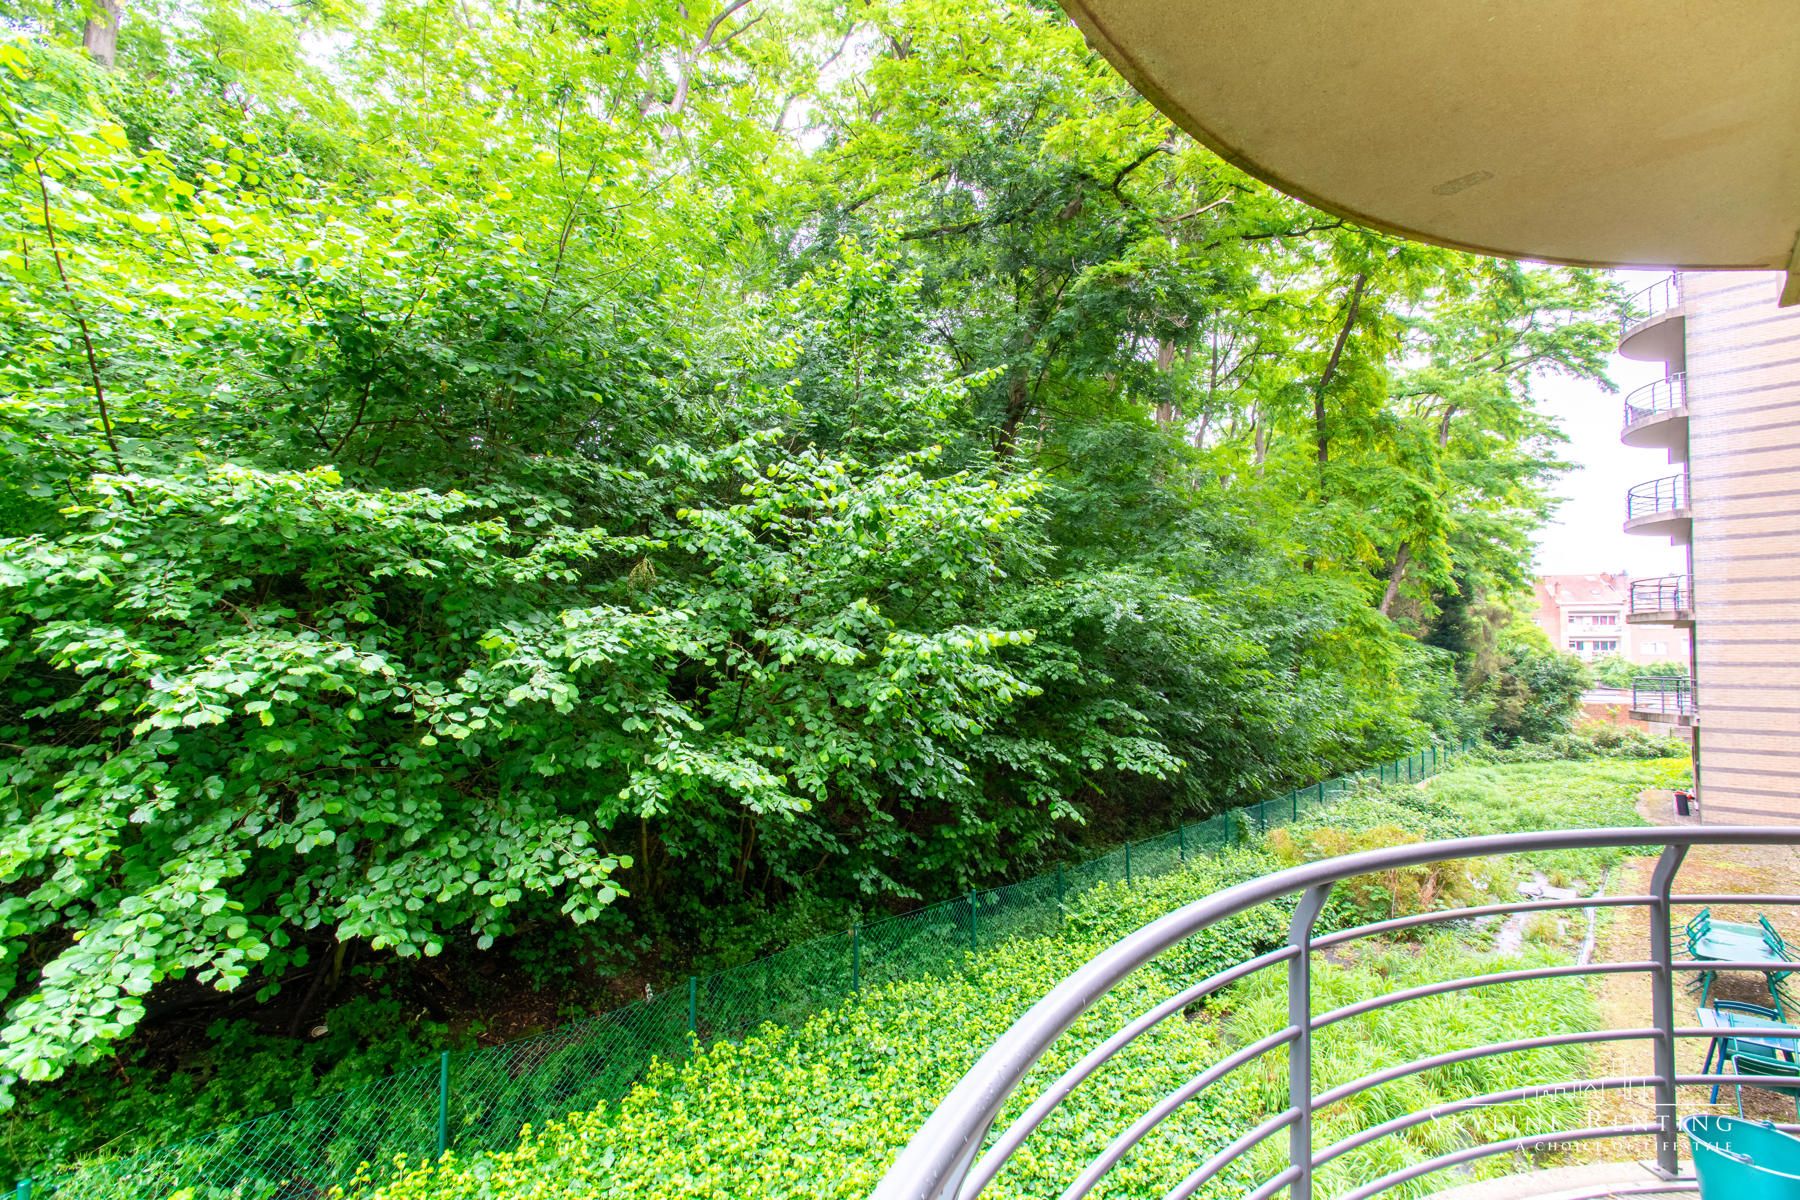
{"x": 694, "y": 1008}
{"x": 1321, "y": 792}
{"x": 856, "y": 959}
{"x": 974, "y": 923}
{"x": 1127, "y": 864}
{"x": 443, "y": 1129}
{"x": 1180, "y": 842}
{"x": 1059, "y": 888}
{"x": 23, "y": 1190}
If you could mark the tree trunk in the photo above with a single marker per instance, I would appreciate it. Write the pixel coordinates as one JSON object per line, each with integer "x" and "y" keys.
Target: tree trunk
{"x": 1401, "y": 557}
{"x": 1320, "y": 433}
{"x": 1167, "y": 414}
{"x": 101, "y": 38}
{"x": 1016, "y": 399}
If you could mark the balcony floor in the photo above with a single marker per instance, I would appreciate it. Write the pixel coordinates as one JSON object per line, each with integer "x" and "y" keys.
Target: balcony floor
{"x": 1595, "y": 1180}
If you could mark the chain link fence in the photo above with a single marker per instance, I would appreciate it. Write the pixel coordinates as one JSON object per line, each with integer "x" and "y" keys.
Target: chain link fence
{"x": 475, "y": 1100}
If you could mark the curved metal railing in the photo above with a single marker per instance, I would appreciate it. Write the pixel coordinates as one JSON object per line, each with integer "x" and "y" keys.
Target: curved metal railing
{"x": 1654, "y": 399}
{"x": 957, "y": 1152}
{"x": 1650, "y": 303}
{"x": 1670, "y": 593}
{"x": 1668, "y": 494}
{"x": 1671, "y": 695}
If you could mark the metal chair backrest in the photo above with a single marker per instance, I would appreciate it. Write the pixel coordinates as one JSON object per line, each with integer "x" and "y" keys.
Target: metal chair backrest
{"x": 1760, "y": 1063}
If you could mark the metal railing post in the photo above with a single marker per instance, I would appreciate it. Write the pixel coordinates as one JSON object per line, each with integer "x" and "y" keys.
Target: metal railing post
{"x": 694, "y": 1009}
{"x": 1127, "y": 864}
{"x": 856, "y": 959}
{"x": 1662, "y": 1006}
{"x": 1300, "y": 1084}
{"x": 22, "y": 1191}
{"x": 443, "y": 1121}
{"x": 1180, "y": 842}
{"x": 974, "y": 924}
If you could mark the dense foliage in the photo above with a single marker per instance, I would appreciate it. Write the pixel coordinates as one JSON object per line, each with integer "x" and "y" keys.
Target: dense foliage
{"x": 471, "y": 469}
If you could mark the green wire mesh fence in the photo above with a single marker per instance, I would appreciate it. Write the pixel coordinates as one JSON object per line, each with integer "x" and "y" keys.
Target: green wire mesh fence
{"x": 475, "y": 1100}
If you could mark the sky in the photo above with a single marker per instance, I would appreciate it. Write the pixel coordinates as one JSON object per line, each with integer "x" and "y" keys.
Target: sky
{"x": 1585, "y": 537}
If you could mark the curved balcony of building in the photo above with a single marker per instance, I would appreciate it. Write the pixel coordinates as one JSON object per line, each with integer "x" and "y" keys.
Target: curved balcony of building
{"x": 1308, "y": 1115}
{"x": 1654, "y": 326}
{"x": 1665, "y": 700}
{"x": 1660, "y": 507}
{"x": 1656, "y": 417}
{"x": 1665, "y": 601}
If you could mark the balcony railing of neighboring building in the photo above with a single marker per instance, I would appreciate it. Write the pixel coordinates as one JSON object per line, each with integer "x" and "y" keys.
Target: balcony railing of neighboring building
{"x": 1669, "y": 594}
{"x": 1665, "y": 695}
{"x": 1654, "y": 399}
{"x": 1668, "y": 494}
{"x": 946, "y": 1160}
{"x": 1650, "y": 303}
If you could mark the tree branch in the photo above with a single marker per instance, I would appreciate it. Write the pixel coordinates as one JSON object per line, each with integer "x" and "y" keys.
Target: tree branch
{"x": 87, "y": 338}
{"x": 706, "y": 43}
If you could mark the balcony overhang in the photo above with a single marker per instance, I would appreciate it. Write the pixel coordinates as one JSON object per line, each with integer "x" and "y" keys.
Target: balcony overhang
{"x": 1574, "y": 131}
{"x": 1661, "y": 337}
{"x": 1676, "y": 523}
{"x": 1681, "y": 618}
{"x": 1656, "y": 716}
{"x": 1666, "y": 429}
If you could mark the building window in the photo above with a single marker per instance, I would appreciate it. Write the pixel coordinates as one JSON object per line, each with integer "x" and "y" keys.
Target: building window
{"x": 1587, "y": 647}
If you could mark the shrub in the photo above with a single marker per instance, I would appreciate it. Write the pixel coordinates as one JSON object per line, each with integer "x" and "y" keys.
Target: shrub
{"x": 1398, "y": 892}
{"x": 1537, "y": 690}
{"x": 1593, "y": 739}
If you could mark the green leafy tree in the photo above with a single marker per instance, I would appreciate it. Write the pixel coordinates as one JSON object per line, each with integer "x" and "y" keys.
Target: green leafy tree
{"x": 468, "y": 470}
{"x": 1536, "y": 692}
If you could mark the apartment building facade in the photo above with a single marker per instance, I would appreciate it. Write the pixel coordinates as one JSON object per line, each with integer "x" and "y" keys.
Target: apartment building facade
{"x": 1589, "y": 616}
{"x": 1727, "y": 417}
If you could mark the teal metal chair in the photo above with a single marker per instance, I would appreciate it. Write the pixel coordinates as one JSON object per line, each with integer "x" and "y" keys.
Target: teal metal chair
{"x": 1726, "y": 1046}
{"x": 1777, "y": 979}
{"x": 1743, "y": 1160}
{"x": 1729, "y": 940}
{"x": 1772, "y": 1074}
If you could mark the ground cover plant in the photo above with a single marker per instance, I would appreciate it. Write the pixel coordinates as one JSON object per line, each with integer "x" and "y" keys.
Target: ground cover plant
{"x": 820, "y": 1109}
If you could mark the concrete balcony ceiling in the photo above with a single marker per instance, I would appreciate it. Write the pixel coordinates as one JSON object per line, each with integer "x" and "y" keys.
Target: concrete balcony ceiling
{"x": 1597, "y": 132}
